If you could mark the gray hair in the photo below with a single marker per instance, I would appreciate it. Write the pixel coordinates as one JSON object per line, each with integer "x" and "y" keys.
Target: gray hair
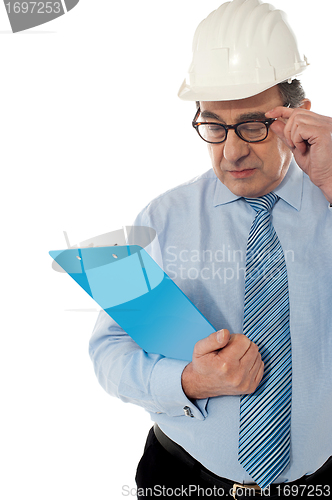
{"x": 292, "y": 93}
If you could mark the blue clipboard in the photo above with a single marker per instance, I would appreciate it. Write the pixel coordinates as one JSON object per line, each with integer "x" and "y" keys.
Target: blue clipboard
{"x": 130, "y": 286}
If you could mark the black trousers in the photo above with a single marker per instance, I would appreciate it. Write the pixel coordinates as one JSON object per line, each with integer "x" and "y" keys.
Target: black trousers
{"x": 161, "y": 475}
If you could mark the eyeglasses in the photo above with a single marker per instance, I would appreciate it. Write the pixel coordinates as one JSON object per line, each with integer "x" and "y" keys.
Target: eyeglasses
{"x": 248, "y": 131}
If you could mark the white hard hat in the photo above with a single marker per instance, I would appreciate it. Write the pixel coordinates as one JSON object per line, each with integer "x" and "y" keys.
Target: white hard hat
{"x": 241, "y": 49}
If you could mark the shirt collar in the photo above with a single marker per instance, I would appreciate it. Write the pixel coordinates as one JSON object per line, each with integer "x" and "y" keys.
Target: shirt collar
{"x": 290, "y": 189}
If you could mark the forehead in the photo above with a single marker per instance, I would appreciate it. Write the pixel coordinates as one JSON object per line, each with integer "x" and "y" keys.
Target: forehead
{"x": 263, "y": 102}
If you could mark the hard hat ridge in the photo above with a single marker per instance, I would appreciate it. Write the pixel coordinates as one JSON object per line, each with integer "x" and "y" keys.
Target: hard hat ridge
{"x": 241, "y": 49}
{"x": 235, "y": 24}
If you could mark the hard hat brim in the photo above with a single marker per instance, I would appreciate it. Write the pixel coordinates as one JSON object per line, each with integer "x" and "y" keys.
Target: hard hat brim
{"x": 229, "y": 92}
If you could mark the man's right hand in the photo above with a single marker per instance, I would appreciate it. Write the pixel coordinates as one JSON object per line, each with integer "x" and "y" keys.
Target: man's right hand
{"x": 223, "y": 365}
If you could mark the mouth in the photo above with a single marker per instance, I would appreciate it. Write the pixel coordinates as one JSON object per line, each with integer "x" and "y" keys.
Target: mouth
{"x": 241, "y": 174}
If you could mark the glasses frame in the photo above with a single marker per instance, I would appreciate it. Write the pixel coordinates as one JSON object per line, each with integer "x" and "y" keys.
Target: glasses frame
{"x": 268, "y": 122}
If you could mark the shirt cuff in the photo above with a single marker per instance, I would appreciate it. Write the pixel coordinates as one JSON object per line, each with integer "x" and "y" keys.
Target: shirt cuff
{"x": 167, "y": 392}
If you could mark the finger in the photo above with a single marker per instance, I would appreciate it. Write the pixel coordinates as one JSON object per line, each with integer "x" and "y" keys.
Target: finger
{"x": 298, "y": 133}
{"x": 280, "y": 112}
{"x": 256, "y": 366}
{"x": 260, "y": 373}
{"x": 300, "y": 142}
{"x": 213, "y": 342}
{"x": 248, "y": 351}
{"x": 240, "y": 348}
{"x": 278, "y": 128}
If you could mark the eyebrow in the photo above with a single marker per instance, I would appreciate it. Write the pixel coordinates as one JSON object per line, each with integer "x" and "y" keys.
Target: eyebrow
{"x": 254, "y": 115}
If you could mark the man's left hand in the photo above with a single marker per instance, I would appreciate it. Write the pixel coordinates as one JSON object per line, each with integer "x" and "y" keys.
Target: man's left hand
{"x": 309, "y": 136}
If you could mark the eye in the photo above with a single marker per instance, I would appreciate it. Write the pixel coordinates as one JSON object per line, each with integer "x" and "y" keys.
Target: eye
{"x": 252, "y": 130}
{"x": 214, "y": 130}
{"x": 253, "y": 127}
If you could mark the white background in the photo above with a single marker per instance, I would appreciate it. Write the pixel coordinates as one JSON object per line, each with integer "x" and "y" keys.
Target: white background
{"x": 91, "y": 130}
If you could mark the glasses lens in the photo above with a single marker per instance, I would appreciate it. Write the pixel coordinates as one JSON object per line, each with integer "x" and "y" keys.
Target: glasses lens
{"x": 252, "y": 131}
{"x": 212, "y": 132}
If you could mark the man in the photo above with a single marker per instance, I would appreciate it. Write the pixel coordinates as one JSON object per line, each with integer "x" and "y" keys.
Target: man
{"x": 249, "y": 244}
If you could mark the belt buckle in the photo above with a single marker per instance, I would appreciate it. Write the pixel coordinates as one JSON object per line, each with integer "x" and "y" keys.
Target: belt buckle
{"x": 245, "y": 486}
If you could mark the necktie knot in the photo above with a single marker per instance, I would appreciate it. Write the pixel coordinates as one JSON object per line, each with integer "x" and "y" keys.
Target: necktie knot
{"x": 265, "y": 202}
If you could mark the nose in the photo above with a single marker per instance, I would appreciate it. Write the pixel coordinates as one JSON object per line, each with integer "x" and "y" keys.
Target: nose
{"x": 235, "y": 148}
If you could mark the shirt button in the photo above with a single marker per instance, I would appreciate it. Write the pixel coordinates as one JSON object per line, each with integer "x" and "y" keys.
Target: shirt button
{"x": 187, "y": 411}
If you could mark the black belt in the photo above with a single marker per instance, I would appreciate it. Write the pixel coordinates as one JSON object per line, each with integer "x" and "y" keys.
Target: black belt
{"x": 236, "y": 489}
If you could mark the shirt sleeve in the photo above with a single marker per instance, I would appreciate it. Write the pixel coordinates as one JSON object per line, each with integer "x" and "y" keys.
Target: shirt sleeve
{"x": 128, "y": 372}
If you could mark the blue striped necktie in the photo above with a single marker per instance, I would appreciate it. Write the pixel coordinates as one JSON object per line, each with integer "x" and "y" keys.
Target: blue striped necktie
{"x": 264, "y": 443}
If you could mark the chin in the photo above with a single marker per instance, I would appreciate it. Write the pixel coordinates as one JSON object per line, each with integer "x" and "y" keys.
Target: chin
{"x": 245, "y": 191}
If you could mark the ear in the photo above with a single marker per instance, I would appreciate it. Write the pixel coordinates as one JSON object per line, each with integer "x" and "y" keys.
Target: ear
{"x": 306, "y": 104}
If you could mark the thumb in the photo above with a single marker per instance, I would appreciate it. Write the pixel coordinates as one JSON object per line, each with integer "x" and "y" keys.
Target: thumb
{"x": 215, "y": 341}
{"x": 278, "y": 128}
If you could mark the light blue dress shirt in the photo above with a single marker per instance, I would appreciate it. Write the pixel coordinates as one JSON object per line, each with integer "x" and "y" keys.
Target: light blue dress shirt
{"x": 202, "y": 233}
